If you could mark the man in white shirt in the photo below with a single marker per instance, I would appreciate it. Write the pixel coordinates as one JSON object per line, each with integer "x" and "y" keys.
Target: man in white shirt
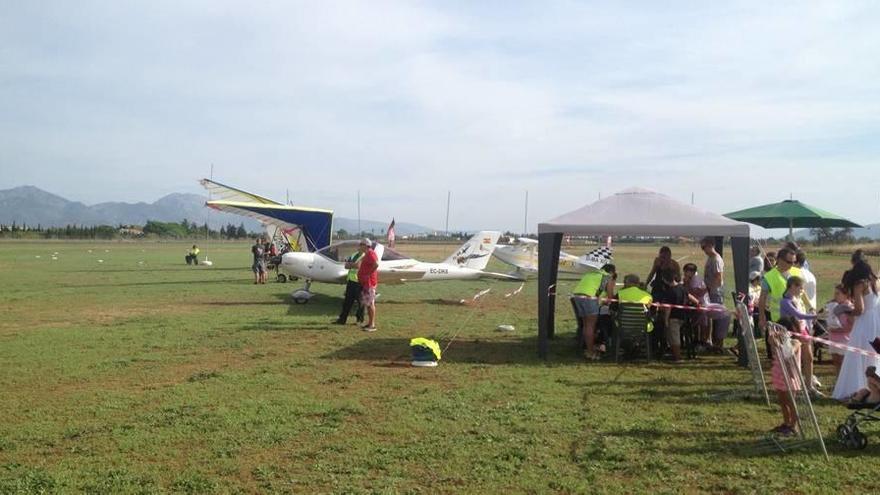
{"x": 808, "y": 278}
{"x": 810, "y": 298}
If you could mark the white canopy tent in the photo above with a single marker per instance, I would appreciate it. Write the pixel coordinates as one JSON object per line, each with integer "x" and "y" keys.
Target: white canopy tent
{"x": 638, "y": 212}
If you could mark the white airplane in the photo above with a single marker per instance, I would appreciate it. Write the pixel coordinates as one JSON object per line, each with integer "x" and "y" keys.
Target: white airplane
{"x": 523, "y": 255}
{"x": 328, "y": 265}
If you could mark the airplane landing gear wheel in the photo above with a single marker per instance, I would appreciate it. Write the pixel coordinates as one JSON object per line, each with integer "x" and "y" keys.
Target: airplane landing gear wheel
{"x": 301, "y": 296}
{"x": 281, "y": 278}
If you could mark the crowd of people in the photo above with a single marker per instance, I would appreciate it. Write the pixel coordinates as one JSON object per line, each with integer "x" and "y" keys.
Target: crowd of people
{"x": 782, "y": 289}
{"x": 669, "y": 284}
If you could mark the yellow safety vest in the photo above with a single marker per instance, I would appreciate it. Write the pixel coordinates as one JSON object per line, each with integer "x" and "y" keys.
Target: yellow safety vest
{"x": 194, "y": 251}
{"x": 353, "y": 272}
{"x": 777, "y": 282}
{"x": 636, "y": 295}
{"x": 591, "y": 284}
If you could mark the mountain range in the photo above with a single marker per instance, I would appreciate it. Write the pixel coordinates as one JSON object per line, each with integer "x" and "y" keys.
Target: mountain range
{"x": 33, "y": 206}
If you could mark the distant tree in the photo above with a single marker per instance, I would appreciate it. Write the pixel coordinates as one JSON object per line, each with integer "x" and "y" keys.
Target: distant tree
{"x": 823, "y": 235}
{"x": 844, "y": 236}
{"x": 241, "y": 233}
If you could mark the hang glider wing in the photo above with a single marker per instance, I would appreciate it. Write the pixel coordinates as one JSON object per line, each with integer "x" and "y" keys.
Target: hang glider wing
{"x": 316, "y": 225}
{"x": 224, "y": 192}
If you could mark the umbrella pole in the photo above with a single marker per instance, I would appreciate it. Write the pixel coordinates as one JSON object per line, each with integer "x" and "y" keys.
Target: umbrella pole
{"x": 791, "y": 229}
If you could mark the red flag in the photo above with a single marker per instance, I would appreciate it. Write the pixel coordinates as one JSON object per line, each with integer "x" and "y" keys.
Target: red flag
{"x": 390, "y": 234}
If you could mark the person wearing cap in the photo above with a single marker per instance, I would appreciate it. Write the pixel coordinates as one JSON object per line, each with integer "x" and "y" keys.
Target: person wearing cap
{"x": 368, "y": 277}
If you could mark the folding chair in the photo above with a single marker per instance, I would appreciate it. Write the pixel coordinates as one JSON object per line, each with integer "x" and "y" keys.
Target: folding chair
{"x": 631, "y": 329}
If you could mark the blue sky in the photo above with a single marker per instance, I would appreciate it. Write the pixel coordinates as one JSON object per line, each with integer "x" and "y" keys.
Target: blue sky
{"x": 740, "y": 103}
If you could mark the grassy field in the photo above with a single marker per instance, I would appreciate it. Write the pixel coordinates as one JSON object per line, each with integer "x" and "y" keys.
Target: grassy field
{"x": 141, "y": 375}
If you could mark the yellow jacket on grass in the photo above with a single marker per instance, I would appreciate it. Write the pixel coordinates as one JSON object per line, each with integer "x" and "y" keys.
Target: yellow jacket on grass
{"x": 428, "y": 344}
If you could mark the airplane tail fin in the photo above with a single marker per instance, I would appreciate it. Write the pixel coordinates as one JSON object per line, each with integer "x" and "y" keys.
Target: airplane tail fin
{"x": 475, "y": 253}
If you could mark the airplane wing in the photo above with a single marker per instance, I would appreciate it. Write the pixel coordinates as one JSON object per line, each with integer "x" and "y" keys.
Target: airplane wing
{"x": 398, "y": 276}
{"x": 228, "y": 193}
{"x": 315, "y": 224}
{"x": 503, "y": 276}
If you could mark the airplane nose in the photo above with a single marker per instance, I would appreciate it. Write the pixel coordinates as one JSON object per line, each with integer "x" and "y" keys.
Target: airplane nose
{"x": 297, "y": 262}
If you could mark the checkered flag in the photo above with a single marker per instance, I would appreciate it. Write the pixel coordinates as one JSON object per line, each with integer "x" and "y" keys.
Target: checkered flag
{"x": 598, "y": 257}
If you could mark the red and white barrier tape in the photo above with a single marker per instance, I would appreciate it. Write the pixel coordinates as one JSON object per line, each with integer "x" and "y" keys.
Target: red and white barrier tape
{"x": 476, "y": 296}
{"x": 843, "y": 347}
{"x": 517, "y": 291}
{"x": 704, "y": 309}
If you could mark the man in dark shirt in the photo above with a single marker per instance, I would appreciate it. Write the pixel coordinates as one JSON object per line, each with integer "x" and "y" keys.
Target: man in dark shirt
{"x": 259, "y": 264}
{"x": 675, "y": 294}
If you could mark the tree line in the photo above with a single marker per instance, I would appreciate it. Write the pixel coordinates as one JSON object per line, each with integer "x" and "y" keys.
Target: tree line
{"x": 152, "y": 229}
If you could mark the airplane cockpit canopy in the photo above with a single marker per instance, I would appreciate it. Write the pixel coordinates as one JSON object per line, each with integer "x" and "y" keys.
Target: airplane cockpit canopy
{"x": 339, "y": 252}
{"x": 391, "y": 255}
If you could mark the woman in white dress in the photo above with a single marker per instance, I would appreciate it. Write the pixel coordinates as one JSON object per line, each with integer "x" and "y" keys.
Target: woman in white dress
{"x": 861, "y": 282}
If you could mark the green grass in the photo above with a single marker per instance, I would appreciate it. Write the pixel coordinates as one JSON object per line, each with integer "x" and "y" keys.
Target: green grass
{"x": 142, "y": 375}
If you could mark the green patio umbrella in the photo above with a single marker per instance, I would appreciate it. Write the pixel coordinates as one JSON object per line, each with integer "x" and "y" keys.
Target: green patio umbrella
{"x": 790, "y": 213}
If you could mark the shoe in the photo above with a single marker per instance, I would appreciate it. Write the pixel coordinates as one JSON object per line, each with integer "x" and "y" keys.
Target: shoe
{"x": 779, "y": 428}
{"x": 371, "y": 328}
{"x": 815, "y": 394}
{"x": 787, "y": 431}
{"x": 816, "y": 383}
{"x": 337, "y": 322}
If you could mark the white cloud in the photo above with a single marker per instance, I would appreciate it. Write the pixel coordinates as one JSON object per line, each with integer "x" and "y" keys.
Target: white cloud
{"x": 406, "y": 100}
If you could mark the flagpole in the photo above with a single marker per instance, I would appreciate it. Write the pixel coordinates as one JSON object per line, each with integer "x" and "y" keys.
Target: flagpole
{"x": 526, "y": 216}
{"x": 359, "y": 213}
{"x": 448, "y": 200}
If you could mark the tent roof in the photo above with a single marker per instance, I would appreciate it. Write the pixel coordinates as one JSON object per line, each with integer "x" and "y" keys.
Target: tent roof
{"x": 638, "y": 211}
